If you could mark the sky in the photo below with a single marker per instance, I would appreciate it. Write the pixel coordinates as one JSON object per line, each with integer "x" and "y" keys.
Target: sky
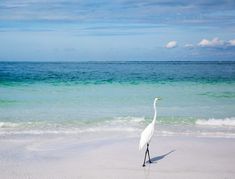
{"x": 117, "y": 30}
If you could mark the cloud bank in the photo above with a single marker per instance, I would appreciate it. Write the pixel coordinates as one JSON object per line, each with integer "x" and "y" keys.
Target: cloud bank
{"x": 216, "y": 43}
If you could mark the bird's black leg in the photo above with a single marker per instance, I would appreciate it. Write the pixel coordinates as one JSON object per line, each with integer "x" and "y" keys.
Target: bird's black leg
{"x": 148, "y": 153}
{"x": 145, "y": 157}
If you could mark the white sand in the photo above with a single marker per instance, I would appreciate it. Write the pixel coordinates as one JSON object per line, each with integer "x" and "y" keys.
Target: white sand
{"x": 71, "y": 157}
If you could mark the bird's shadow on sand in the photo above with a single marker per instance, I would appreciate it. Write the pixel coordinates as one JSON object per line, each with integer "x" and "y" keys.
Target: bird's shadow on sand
{"x": 155, "y": 159}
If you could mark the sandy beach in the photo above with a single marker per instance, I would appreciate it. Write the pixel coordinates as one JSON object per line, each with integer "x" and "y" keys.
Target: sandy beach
{"x": 116, "y": 157}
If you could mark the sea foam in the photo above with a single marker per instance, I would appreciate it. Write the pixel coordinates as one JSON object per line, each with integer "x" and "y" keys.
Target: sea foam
{"x": 8, "y": 124}
{"x": 217, "y": 122}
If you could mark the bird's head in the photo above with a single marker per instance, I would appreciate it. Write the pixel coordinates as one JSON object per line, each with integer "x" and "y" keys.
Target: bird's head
{"x": 157, "y": 99}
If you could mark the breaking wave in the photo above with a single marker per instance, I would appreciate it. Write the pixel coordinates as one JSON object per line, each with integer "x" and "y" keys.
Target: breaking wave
{"x": 217, "y": 122}
{"x": 128, "y": 124}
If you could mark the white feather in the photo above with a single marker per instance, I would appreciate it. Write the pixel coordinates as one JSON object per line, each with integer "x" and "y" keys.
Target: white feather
{"x": 147, "y": 133}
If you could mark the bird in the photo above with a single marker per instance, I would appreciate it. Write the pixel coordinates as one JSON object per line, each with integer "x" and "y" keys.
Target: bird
{"x": 147, "y": 133}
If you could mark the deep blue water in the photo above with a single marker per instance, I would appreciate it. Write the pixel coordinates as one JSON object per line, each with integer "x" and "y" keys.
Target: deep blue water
{"x": 116, "y": 72}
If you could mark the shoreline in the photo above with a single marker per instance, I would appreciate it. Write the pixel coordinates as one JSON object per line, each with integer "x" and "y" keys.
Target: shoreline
{"x": 117, "y": 157}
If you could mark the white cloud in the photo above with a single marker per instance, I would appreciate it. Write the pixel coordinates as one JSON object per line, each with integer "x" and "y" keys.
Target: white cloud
{"x": 204, "y": 42}
{"x": 215, "y": 42}
{"x": 171, "y": 44}
{"x": 231, "y": 42}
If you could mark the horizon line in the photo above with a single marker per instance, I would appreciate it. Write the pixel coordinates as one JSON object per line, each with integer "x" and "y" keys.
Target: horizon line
{"x": 113, "y": 61}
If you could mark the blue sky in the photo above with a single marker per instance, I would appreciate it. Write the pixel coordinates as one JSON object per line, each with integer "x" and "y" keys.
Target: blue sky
{"x": 81, "y": 30}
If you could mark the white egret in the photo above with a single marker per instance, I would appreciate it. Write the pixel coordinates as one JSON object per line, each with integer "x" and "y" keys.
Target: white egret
{"x": 147, "y": 133}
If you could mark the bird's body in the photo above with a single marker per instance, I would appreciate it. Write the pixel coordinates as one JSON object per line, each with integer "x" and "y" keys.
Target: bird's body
{"x": 148, "y": 132}
{"x": 146, "y": 135}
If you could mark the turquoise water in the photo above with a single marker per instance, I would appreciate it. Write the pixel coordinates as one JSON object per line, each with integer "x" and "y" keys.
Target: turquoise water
{"x": 37, "y": 98}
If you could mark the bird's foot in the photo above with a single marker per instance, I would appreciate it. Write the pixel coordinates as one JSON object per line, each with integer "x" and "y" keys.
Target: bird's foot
{"x": 150, "y": 161}
{"x": 143, "y": 165}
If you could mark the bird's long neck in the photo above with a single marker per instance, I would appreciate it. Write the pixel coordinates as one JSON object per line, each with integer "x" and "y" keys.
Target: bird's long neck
{"x": 155, "y": 112}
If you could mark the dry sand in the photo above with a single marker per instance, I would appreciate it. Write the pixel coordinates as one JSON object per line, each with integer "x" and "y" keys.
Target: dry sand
{"x": 116, "y": 157}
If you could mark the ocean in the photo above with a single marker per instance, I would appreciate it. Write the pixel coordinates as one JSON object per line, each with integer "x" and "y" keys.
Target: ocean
{"x": 76, "y": 98}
